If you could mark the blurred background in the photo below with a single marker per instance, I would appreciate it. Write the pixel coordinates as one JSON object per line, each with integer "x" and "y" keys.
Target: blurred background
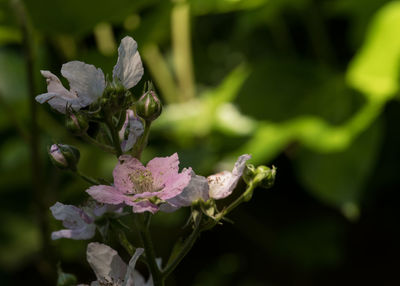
{"x": 310, "y": 86}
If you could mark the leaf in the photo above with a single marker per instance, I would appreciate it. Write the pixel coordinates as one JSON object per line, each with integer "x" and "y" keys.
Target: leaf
{"x": 339, "y": 178}
{"x": 375, "y": 69}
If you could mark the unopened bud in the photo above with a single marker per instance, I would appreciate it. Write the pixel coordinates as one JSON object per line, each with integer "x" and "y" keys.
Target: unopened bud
{"x": 76, "y": 123}
{"x": 64, "y": 156}
{"x": 149, "y": 106}
{"x": 263, "y": 176}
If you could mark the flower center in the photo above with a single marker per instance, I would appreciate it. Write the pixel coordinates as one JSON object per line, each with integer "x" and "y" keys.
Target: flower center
{"x": 142, "y": 181}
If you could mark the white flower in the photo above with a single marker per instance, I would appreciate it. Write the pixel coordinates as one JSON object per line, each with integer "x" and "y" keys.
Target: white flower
{"x": 217, "y": 186}
{"x": 130, "y": 131}
{"x": 87, "y": 82}
{"x": 110, "y": 270}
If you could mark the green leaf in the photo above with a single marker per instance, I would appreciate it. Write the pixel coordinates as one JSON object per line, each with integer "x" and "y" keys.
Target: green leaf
{"x": 375, "y": 69}
{"x": 339, "y": 178}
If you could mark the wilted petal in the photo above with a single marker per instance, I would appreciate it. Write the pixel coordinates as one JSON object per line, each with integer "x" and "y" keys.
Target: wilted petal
{"x": 80, "y": 225}
{"x": 196, "y": 189}
{"x": 130, "y": 131}
{"x": 85, "y": 80}
{"x": 122, "y": 172}
{"x": 129, "y": 68}
{"x": 57, "y": 95}
{"x": 106, "y": 263}
{"x": 133, "y": 277}
{"x": 222, "y": 184}
{"x": 106, "y": 194}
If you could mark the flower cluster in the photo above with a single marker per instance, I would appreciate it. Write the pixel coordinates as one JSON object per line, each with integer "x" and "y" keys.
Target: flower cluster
{"x": 138, "y": 190}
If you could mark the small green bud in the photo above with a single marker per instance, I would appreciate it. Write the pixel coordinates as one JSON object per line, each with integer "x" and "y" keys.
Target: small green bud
{"x": 263, "y": 176}
{"x": 64, "y": 156}
{"x": 76, "y": 123}
{"x": 65, "y": 279}
{"x": 149, "y": 106}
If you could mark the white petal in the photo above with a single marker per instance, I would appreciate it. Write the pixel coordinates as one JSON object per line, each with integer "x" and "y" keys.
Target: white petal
{"x": 57, "y": 96}
{"x": 130, "y": 131}
{"x": 197, "y": 189}
{"x": 106, "y": 263}
{"x": 129, "y": 68}
{"x": 85, "y": 80}
{"x": 222, "y": 184}
{"x": 133, "y": 277}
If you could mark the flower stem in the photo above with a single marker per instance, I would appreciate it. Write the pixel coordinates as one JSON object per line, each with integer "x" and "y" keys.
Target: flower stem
{"x": 187, "y": 245}
{"x": 104, "y": 147}
{"x": 114, "y": 135}
{"x": 145, "y": 238}
{"x": 139, "y": 147}
{"x": 88, "y": 179}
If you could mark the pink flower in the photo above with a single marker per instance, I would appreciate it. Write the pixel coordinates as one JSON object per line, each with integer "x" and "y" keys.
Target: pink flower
{"x": 217, "y": 186}
{"x": 140, "y": 186}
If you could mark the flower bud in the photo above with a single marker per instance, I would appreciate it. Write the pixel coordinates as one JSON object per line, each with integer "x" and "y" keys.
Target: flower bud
{"x": 76, "y": 123}
{"x": 64, "y": 156}
{"x": 149, "y": 106}
{"x": 263, "y": 176}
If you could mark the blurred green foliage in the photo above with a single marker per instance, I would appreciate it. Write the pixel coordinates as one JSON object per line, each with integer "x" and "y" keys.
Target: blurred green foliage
{"x": 305, "y": 80}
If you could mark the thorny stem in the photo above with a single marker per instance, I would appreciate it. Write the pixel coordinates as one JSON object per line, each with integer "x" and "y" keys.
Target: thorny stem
{"x": 145, "y": 238}
{"x": 187, "y": 245}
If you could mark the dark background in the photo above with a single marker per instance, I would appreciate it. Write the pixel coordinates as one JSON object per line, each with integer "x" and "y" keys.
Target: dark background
{"x": 308, "y": 86}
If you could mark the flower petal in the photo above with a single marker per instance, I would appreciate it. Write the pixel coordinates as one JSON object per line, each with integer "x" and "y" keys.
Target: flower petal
{"x": 162, "y": 168}
{"x": 57, "y": 96}
{"x": 80, "y": 225}
{"x": 106, "y": 263}
{"x": 132, "y": 276}
{"x": 130, "y": 131}
{"x": 175, "y": 184}
{"x": 223, "y": 184}
{"x": 126, "y": 166}
{"x": 143, "y": 206}
{"x": 106, "y": 194}
{"x": 196, "y": 189}
{"x": 129, "y": 68}
{"x": 85, "y": 80}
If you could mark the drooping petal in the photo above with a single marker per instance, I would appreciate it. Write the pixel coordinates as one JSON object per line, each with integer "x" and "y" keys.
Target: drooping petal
{"x": 143, "y": 206}
{"x": 78, "y": 223}
{"x": 222, "y": 184}
{"x": 106, "y": 194}
{"x": 133, "y": 277}
{"x": 196, "y": 189}
{"x": 57, "y": 95}
{"x": 85, "y": 80}
{"x": 163, "y": 168}
{"x": 125, "y": 168}
{"x": 130, "y": 131}
{"x": 129, "y": 68}
{"x": 106, "y": 263}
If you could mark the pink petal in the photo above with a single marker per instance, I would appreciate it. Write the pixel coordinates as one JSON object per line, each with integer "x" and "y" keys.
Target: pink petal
{"x": 126, "y": 166}
{"x": 107, "y": 194}
{"x": 162, "y": 168}
{"x": 143, "y": 206}
{"x": 175, "y": 184}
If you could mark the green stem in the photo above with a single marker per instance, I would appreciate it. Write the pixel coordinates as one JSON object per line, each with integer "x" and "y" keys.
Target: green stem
{"x": 104, "y": 147}
{"x": 187, "y": 246}
{"x": 88, "y": 179}
{"x": 145, "y": 238}
{"x": 242, "y": 198}
{"x": 114, "y": 135}
{"x": 139, "y": 147}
